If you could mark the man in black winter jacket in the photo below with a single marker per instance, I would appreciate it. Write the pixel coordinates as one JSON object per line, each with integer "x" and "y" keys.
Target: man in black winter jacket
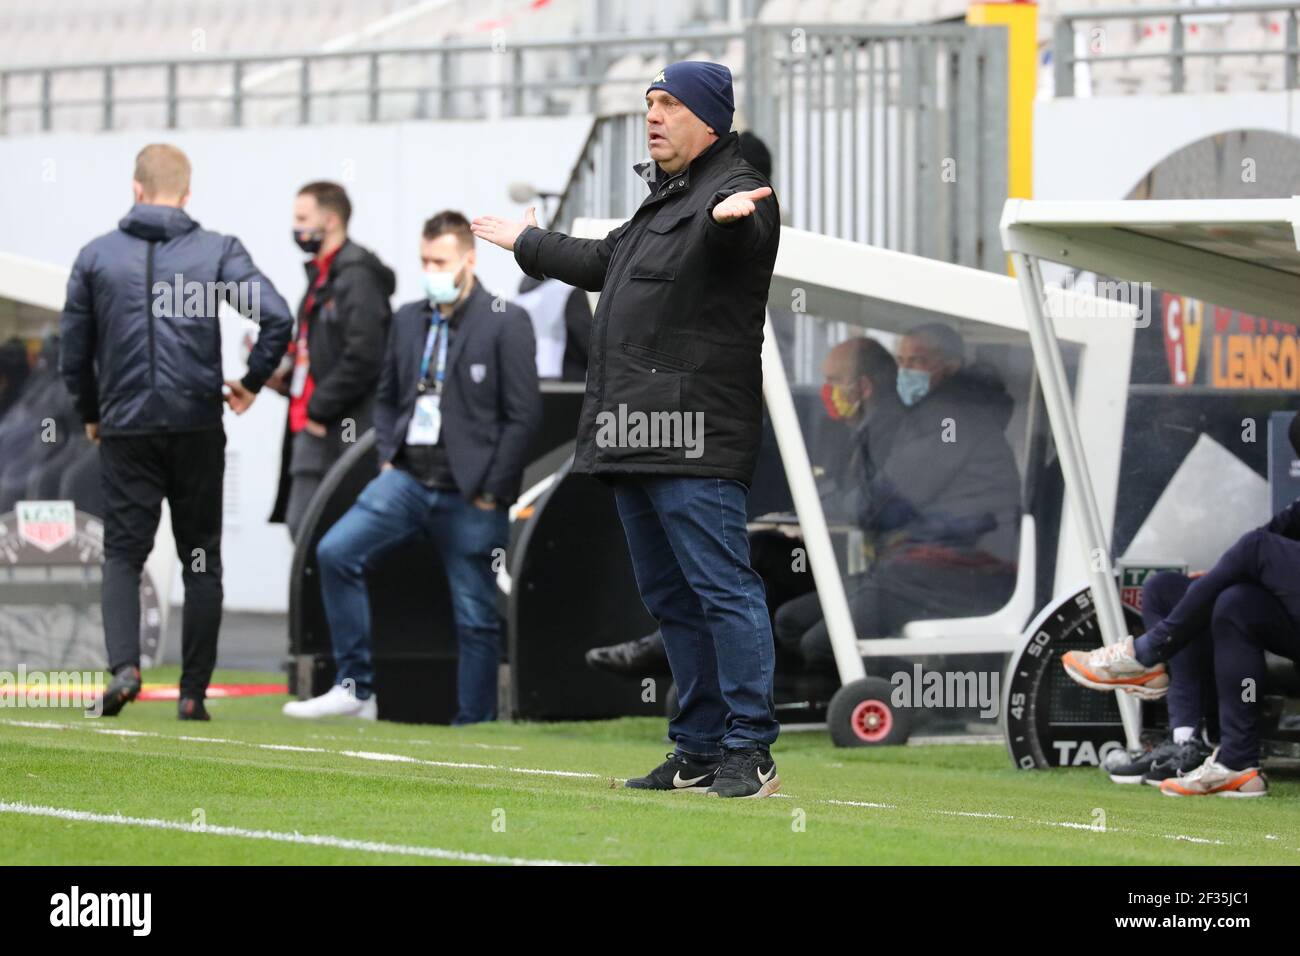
{"x": 140, "y": 351}
{"x": 673, "y": 414}
{"x": 332, "y": 370}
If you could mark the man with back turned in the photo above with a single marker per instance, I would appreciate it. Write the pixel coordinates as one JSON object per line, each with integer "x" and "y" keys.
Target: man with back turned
{"x": 140, "y": 351}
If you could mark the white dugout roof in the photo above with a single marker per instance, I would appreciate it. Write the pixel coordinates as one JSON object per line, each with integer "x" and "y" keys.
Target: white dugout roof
{"x": 1242, "y": 254}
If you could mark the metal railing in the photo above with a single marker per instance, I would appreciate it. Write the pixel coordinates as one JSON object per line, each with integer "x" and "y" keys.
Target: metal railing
{"x": 459, "y": 80}
{"x": 892, "y": 136}
{"x": 1074, "y": 51}
{"x": 602, "y": 184}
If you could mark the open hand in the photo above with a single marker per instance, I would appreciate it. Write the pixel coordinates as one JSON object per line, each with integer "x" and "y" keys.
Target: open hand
{"x": 502, "y": 232}
{"x": 739, "y": 205}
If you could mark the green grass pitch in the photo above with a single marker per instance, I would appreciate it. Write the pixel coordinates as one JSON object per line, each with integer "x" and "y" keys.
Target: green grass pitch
{"x": 255, "y": 787}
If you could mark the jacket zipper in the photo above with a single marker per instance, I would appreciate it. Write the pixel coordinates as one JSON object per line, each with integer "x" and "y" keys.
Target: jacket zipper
{"x": 148, "y": 307}
{"x": 659, "y": 196}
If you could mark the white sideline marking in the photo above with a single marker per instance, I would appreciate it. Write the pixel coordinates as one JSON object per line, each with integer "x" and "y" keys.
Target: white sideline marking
{"x": 358, "y": 754}
{"x": 456, "y": 764}
{"x": 384, "y": 757}
{"x": 417, "y": 743}
{"x": 973, "y": 813}
{"x": 1062, "y": 824}
{"x": 309, "y": 839}
{"x": 1192, "y": 839}
{"x": 967, "y": 740}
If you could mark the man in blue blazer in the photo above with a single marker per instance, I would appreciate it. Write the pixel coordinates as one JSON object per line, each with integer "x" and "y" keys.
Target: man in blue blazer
{"x": 455, "y": 415}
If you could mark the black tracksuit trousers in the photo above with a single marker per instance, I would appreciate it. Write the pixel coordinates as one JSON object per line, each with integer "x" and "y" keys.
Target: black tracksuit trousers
{"x": 188, "y": 469}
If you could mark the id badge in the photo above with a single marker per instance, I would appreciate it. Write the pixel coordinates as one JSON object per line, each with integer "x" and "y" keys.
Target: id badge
{"x": 426, "y": 421}
{"x": 298, "y": 383}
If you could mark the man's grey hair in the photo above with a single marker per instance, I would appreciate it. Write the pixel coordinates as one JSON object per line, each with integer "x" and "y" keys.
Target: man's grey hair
{"x": 944, "y": 339}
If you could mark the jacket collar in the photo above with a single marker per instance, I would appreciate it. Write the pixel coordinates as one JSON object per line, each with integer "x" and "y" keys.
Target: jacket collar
{"x": 343, "y": 254}
{"x": 662, "y": 185}
{"x": 156, "y": 223}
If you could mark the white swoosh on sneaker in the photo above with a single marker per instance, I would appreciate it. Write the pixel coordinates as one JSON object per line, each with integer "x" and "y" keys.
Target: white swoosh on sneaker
{"x": 763, "y": 778}
{"x": 679, "y": 782}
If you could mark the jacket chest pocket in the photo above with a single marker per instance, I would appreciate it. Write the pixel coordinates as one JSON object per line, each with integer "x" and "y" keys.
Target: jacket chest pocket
{"x": 656, "y": 359}
{"x": 662, "y": 245}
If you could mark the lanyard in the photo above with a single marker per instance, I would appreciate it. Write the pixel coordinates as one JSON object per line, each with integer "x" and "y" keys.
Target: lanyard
{"x": 435, "y": 338}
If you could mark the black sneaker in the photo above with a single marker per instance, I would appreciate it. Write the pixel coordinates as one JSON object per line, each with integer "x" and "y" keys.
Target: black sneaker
{"x": 679, "y": 773}
{"x": 746, "y": 773}
{"x": 121, "y": 690}
{"x": 1132, "y": 769}
{"x": 1185, "y": 758}
{"x": 191, "y": 708}
{"x": 645, "y": 655}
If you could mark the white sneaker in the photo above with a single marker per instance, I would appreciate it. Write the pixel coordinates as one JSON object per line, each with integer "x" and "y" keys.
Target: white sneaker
{"x": 338, "y": 701}
{"x": 1116, "y": 668}
{"x": 1213, "y": 778}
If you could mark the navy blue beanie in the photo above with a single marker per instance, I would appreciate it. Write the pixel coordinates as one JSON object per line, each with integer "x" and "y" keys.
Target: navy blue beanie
{"x": 705, "y": 88}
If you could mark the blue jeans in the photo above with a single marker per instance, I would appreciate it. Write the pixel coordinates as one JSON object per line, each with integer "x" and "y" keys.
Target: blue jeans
{"x": 395, "y": 508}
{"x": 1249, "y": 602}
{"x": 690, "y": 553}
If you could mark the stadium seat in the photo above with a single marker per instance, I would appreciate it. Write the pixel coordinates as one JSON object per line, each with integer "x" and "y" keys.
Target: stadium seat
{"x": 1012, "y": 617}
{"x": 779, "y": 11}
{"x": 624, "y": 86}
{"x": 848, "y": 11}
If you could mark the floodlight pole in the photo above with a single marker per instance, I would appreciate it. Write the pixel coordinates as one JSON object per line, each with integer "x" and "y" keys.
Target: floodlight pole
{"x": 1074, "y": 468}
{"x": 808, "y": 506}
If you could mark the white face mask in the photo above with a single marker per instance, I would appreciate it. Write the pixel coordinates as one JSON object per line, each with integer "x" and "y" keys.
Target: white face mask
{"x": 441, "y": 288}
{"x": 913, "y": 385}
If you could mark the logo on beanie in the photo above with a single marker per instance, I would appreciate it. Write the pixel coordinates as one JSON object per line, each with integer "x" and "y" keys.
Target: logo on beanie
{"x": 659, "y": 78}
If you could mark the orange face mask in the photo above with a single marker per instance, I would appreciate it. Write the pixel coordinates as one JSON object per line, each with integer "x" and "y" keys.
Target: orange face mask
{"x": 839, "y": 404}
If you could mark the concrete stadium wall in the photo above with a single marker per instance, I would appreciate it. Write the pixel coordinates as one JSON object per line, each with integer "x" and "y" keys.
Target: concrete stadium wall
{"x": 1099, "y": 148}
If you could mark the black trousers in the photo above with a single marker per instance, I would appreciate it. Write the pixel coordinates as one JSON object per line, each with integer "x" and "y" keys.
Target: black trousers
{"x": 188, "y": 469}
{"x": 889, "y": 596}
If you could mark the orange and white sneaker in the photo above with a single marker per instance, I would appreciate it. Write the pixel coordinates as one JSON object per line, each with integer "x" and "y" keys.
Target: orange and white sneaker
{"x": 1213, "y": 779}
{"x": 1115, "y": 668}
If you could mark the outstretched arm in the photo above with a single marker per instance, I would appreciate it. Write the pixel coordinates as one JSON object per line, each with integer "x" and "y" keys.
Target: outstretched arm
{"x": 742, "y": 220}
{"x": 544, "y": 254}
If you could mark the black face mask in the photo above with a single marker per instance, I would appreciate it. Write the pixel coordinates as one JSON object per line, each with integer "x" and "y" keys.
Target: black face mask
{"x": 310, "y": 244}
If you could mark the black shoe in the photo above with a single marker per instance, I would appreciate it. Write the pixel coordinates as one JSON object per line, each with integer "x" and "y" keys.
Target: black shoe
{"x": 645, "y": 655}
{"x": 746, "y": 773}
{"x": 121, "y": 690}
{"x": 1185, "y": 758}
{"x": 678, "y": 773}
{"x": 1134, "y": 769}
{"x": 191, "y": 708}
